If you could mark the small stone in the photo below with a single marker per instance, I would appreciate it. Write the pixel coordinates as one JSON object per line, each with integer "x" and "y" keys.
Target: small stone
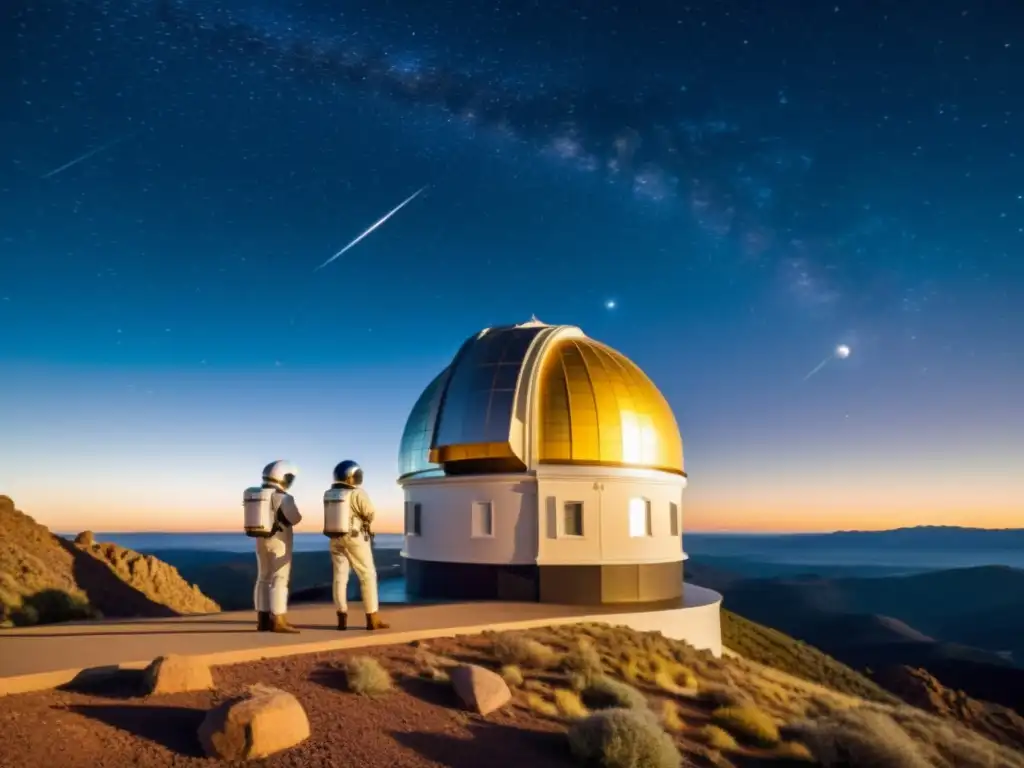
{"x": 261, "y": 722}
{"x": 479, "y": 689}
{"x": 176, "y": 674}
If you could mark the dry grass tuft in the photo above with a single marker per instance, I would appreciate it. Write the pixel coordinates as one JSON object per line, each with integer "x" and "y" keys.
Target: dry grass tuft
{"x": 570, "y": 704}
{"x": 512, "y": 675}
{"x": 622, "y": 738}
{"x": 509, "y": 648}
{"x": 717, "y": 738}
{"x": 583, "y": 663}
{"x": 541, "y": 706}
{"x": 723, "y": 695}
{"x": 793, "y": 750}
{"x": 672, "y": 677}
{"x": 748, "y": 724}
{"x": 670, "y": 716}
{"x": 365, "y": 675}
{"x": 629, "y": 667}
{"x": 537, "y": 686}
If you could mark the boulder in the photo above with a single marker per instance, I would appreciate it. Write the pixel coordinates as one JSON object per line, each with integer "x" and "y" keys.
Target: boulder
{"x": 259, "y": 723}
{"x": 479, "y": 689}
{"x": 85, "y": 539}
{"x": 176, "y": 674}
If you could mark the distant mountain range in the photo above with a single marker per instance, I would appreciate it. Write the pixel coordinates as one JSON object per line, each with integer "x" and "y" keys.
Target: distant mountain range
{"x": 965, "y": 626}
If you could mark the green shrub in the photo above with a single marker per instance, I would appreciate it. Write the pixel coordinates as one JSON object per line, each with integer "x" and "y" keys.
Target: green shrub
{"x": 607, "y": 693}
{"x": 622, "y": 738}
{"x": 365, "y": 675}
{"x": 861, "y": 739}
{"x": 49, "y": 606}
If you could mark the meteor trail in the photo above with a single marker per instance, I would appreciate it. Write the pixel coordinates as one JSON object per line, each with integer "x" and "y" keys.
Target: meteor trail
{"x": 841, "y": 352}
{"x": 372, "y": 227}
{"x": 82, "y": 158}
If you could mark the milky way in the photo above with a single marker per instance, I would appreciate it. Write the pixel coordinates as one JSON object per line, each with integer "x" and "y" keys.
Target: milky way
{"x": 763, "y": 197}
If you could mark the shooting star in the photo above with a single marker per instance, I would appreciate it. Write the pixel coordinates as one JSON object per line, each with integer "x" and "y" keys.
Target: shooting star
{"x": 370, "y": 229}
{"x": 841, "y": 353}
{"x": 83, "y": 158}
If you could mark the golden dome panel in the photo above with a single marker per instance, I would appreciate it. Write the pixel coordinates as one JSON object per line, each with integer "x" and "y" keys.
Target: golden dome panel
{"x": 598, "y": 407}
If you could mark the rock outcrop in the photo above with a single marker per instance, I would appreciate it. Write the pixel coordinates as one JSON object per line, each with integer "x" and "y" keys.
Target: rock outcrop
{"x": 45, "y": 578}
{"x": 259, "y": 723}
{"x": 920, "y": 689}
{"x": 479, "y": 689}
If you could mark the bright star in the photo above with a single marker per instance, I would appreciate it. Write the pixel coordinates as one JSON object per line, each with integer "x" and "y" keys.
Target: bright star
{"x": 610, "y": 304}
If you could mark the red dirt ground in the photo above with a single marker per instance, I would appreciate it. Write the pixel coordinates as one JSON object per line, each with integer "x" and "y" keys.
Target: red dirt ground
{"x": 417, "y": 725}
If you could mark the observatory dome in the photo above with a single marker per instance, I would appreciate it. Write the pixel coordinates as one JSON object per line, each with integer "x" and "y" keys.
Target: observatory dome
{"x": 541, "y": 464}
{"x": 520, "y": 396}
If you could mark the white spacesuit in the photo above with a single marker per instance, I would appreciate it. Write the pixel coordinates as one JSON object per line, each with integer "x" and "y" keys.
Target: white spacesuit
{"x": 348, "y": 515}
{"x": 271, "y": 514}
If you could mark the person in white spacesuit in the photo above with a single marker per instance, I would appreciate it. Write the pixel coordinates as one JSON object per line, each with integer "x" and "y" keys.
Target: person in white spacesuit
{"x": 348, "y": 516}
{"x": 270, "y": 516}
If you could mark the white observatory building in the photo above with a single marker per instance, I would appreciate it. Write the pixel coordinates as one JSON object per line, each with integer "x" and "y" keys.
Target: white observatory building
{"x": 542, "y": 465}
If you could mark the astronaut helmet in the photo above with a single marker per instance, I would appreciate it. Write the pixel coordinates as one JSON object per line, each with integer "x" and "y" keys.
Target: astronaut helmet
{"x": 280, "y": 473}
{"x": 348, "y": 472}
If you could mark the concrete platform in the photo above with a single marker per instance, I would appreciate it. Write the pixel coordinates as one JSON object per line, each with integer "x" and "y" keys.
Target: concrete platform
{"x": 37, "y": 658}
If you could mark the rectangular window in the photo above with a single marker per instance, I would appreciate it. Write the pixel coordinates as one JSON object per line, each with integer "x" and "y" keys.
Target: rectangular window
{"x": 573, "y": 518}
{"x": 483, "y": 518}
{"x": 673, "y": 519}
{"x": 639, "y": 518}
{"x": 412, "y": 518}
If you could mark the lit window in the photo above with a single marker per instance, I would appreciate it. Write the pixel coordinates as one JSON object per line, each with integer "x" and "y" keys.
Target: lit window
{"x": 412, "y": 518}
{"x": 573, "y": 518}
{"x": 639, "y": 518}
{"x": 483, "y": 518}
{"x": 673, "y": 512}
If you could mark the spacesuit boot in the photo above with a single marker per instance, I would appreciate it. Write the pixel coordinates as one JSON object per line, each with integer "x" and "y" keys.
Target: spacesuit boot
{"x": 263, "y": 621}
{"x": 373, "y": 621}
{"x": 279, "y": 623}
{"x": 342, "y": 620}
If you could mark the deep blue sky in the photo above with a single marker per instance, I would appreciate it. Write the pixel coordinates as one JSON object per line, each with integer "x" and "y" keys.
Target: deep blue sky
{"x": 751, "y": 184}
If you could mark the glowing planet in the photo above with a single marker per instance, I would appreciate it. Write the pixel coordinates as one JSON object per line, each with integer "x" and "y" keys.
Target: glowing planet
{"x": 842, "y": 351}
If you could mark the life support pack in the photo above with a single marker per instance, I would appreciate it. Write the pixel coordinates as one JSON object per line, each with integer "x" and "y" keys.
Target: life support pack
{"x": 337, "y": 512}
{"x": 259, "y": 513}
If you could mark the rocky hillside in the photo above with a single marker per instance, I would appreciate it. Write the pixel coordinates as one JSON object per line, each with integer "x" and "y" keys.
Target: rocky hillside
{"x": 44, "y": 578}
{"x": 919, "y": 688}
{"x": 773, "y": 649}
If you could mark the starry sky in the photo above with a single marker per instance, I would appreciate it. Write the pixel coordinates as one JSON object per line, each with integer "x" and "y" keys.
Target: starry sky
{"x": 724, "y": 191}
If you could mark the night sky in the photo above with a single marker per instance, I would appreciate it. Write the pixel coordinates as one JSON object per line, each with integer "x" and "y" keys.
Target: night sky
{"x": 724, "y": 191}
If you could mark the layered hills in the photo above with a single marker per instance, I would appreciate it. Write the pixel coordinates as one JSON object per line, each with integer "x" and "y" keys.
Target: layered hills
{"x": 961, "y": 625}
{"x": 45, "y": 578}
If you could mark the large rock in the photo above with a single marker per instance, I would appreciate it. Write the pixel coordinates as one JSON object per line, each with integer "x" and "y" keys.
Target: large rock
{"x": 259, "y": 723}
{"x": 176, "y": 674}
{"x": 479, "y": 689}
